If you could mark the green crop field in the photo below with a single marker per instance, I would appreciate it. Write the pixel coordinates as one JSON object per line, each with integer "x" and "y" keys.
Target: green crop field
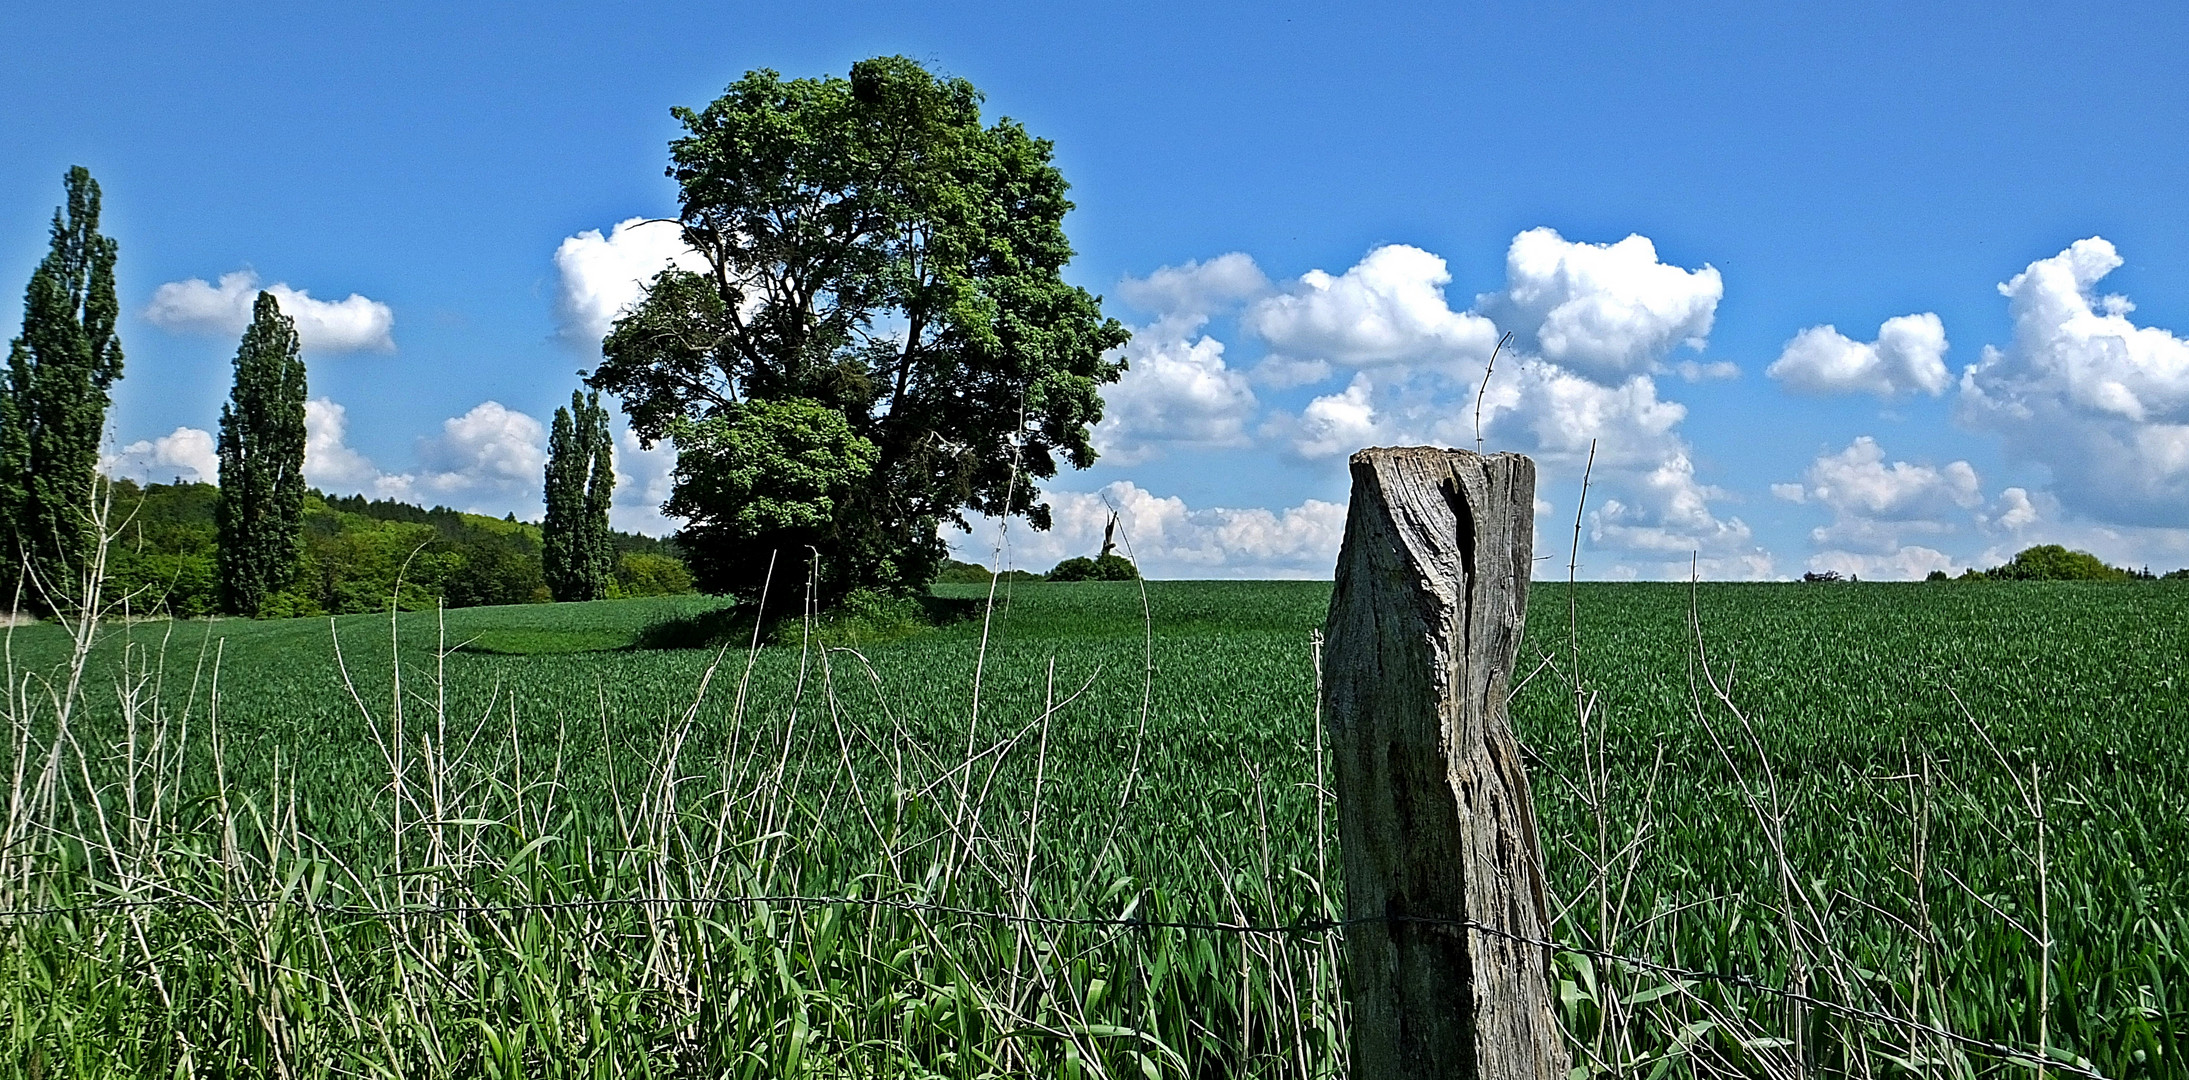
{"x": 602, "y": 839}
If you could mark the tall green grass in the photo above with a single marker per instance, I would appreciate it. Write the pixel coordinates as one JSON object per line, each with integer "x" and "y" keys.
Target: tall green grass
{"x": 1836, "y": 790}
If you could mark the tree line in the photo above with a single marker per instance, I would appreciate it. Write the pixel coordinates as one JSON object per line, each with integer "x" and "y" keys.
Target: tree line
{"x": 358, "y": 555}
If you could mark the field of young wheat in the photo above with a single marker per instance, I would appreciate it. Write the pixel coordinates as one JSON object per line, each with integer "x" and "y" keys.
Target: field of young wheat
{"x": 625, "y": 839}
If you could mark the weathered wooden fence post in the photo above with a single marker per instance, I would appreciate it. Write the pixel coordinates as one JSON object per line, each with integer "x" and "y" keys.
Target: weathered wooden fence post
{"x": 1434, "y": 816}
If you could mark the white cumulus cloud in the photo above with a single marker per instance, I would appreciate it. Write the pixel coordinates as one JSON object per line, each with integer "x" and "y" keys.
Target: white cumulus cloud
{"x": 1183, "y": 298}
{"x": 1877, "y": 506}
{"x": 1590, "y": 323}
{"x": 1389, "y": 307}
{"x": 601, "y": 277}
{"x": 1177, "y": 390}
{"x": 1912, "y": 562}
{"x": 1857, "y": 480}
{"x": 185, "y": 454}
{"x": 1909, "y": 356}
{"x": 195, "y": 306}
{"x": 643, "y": 479}
{"x": 1168, "y": 538}
{"x": 1334, "y": 425}
{"x": 1604, "y": 311}
{"x": 331, "y": 465}
{"x": 491, "y": 460}
{"x": 1175, "y": 393}
{"x": 2101, "y": 402}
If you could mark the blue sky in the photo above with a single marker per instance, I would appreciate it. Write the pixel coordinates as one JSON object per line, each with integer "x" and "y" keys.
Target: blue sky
{"x": 1317, "y": 217}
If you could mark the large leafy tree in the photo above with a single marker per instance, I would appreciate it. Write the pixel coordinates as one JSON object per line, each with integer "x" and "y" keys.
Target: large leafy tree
{"x": 53, "y": 406}
{"x": 261, "y": 510}
{"x": 577, "y": 553}
{"x": 883, "y": 340}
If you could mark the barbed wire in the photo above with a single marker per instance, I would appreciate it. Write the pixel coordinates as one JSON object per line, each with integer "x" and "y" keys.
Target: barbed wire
{"x": 1302, "y": 928}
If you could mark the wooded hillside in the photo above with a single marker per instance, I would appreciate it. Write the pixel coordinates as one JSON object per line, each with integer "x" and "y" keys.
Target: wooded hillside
{"x": 356, "y": 551}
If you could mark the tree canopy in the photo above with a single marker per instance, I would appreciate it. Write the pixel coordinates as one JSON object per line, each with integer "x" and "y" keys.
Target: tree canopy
{"x": 2052, "y": 562}
{"x": 884, "y": 290}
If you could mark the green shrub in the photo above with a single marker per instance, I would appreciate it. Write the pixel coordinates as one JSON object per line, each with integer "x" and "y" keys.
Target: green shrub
{"x": 954, "y": 572}
{"x": 640, "y": 573}
{"x": 1112, "y": 567}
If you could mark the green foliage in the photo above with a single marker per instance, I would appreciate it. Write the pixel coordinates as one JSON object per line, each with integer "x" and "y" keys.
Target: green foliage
{"x": 578, "y": 555}
{"x": 1111, "y": 567}
{"x": 53, "y": 405}
{"x": 954, "y": 572}
{"x": 642, "y": 573}
{"x": 2051, "y": 562}
{"x": 761, "y": 484}
{"x": 261, "y": 508}
{"x": 164, "y": 554}
{"x": 882, "y": 255}
{"x": 354, "y": 550}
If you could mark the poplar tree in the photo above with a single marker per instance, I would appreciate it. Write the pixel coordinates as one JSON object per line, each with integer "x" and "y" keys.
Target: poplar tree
{"x": 261, "y": 508}
{"x": 61, "y": 370}
{"x": 600, "y": 490}
{"x": 576, "y": 554}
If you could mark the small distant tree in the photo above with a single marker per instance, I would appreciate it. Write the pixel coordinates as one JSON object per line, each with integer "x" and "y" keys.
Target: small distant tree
{"x": 576, "y": 555}
{"x": 2051, "y": 562}
{"x": 1106, "y": 567}
{"x": 53, "y": 405}
{"x": 260, "y": 514}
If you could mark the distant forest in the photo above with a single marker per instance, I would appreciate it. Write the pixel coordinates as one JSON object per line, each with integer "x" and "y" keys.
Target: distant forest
{"x": 358, "y": 553}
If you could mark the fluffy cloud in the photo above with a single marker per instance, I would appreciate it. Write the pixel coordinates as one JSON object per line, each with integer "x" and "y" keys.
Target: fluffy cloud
{"x": 1876, "y": 506}
{"x": 186, "y": 454}
{"x": 1590, "y": 322}
{"x": 2020, "y": 518}
{"x": 1858, "y": 481}
{"x": 1178, "y": 391}
{"x": 489, "y": 460}
{"x": 1184, "y": 297}
{"x": 1670, "y": 515}
{"x": 1910, "y": 563}
{"x": 643, "y": 478}
{"x": 331, "y": 465}
{"x": 1169, "y": 538}
{"x": 2101, "y": 402}
{"x": 602, "y": 276}
{"x": 1604, "y": 311}
{"x": 1389, "y": 307}
{"x": 1909, "y": 356}
{"x": 1175, "y": 392}
{"x": 1337, "y": 424}
{"x": 351, "y": 324}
